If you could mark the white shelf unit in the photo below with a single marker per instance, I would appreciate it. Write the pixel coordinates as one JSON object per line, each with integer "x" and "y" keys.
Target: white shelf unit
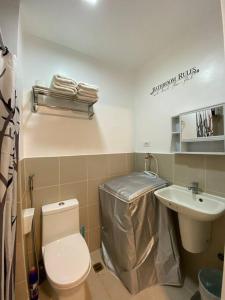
{"x": 213, "y": 145}
{"x": 175, "y": 142}
{"x": 176, "y": 124}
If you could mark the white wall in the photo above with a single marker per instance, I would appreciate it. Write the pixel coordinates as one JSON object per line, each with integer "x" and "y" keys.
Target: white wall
{"x": 9, "y": 18}
{"x": 112, "y": 129}
{"x": 11, "y": 31}
{"x": 153, "y": 113}
{"x": 45, "y": 134}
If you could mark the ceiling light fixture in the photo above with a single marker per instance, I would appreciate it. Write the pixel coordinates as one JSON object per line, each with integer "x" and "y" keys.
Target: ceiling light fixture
{"x": 92, "y": 2}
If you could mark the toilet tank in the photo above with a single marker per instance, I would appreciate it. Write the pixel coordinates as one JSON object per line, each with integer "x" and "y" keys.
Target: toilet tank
{"x": 59, "y": 220}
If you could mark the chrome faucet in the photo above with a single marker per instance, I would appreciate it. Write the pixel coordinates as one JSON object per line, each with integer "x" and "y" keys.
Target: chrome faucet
{"x": 194, "y": 187}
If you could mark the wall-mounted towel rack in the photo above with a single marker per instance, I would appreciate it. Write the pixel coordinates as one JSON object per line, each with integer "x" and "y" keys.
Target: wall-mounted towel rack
{"x": 50, "y": 98}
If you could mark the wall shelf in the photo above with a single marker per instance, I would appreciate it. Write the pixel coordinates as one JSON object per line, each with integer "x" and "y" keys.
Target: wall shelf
{"x": 205, "y": 153}
{"x": 53, "y": 99}
{"x": 205, "y": 139}
{"x": 210, "y": 145}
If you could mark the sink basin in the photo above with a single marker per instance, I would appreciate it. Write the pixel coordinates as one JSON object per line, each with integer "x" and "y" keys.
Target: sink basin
{"x": 195, "y": 214}
{"x": 201, "y": 207}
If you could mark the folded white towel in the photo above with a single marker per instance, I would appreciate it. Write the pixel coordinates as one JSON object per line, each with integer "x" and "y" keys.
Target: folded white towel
{"x": 85, "y": 98}
{"x": 64, "y": 84}
{"x": 87, "y": 93}
{"x": 64, "y": 88}
{"x": 87, "y": 87}
{"x": 64, "y": 80}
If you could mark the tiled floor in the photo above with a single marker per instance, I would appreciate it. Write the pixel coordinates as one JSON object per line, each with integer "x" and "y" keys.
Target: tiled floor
{"x": 105, "y": 286}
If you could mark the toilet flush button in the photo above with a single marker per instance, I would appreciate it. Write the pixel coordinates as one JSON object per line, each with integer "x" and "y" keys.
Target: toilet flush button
{"x": 61, "y": 203}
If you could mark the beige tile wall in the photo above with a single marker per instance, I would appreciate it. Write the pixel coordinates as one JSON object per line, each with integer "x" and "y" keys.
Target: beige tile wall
{"x": 61, "y": 178}
{"x": 209, "y": 171}
{"x": 21, "y": 288}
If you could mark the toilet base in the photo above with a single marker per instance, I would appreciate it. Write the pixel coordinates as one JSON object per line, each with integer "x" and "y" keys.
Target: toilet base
{"x": 80, "y": 292}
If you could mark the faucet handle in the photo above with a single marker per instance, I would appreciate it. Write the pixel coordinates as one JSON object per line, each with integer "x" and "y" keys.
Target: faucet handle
{"x": 194, "y": 187}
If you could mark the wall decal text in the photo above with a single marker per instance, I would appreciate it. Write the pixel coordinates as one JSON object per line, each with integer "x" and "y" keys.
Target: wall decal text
{"x": 175, "y": 81}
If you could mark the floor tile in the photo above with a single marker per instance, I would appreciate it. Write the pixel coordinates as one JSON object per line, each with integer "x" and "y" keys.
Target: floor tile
{"x": 96, "y": 289}
{"x": 104, "y": 285}
{"x": 168, "y": 293}
{"x": 45, "y": 291}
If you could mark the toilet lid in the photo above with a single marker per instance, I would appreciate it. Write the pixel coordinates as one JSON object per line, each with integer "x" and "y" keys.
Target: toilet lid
{"x": 67, "y": 261}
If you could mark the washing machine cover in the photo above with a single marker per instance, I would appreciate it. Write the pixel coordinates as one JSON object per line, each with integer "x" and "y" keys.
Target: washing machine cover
{"x": 137, "y": 233}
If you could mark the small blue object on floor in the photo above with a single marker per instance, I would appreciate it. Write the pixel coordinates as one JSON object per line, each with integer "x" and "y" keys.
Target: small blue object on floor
{"x": 210, "y": 283}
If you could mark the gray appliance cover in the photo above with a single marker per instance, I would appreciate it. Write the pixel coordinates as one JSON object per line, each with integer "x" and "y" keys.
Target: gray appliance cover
{"x": 137, "y": 233}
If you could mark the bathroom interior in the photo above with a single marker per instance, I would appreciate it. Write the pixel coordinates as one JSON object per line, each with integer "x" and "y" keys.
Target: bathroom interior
{"x": 112, "y": 148}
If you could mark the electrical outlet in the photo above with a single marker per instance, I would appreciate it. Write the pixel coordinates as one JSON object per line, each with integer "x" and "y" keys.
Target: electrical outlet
{"x": 147, "y": 144}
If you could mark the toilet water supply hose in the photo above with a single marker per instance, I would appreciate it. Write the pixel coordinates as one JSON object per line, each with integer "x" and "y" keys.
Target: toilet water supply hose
{"x": 31, "y": 188}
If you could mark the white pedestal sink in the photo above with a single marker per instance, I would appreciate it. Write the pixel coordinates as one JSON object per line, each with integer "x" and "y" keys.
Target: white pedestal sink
{"x": 195, "y": 214}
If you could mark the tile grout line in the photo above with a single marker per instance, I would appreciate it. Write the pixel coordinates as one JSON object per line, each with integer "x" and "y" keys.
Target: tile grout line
{"x": 59, "y": 186}
{"x": 87, "y": 201}
{"x": 25, "y": 176}
{"x": 173, "y": 168}
{"x": 205, "y": 170}
{"x": 72, "y": 182}
{"x": 45, "y": 187}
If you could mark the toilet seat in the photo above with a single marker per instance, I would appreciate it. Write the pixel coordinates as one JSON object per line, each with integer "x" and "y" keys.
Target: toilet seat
{"x": 67, "y": 261}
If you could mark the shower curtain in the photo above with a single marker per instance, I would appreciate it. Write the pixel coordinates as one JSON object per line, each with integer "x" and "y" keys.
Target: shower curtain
{"x": 9, "y": 139}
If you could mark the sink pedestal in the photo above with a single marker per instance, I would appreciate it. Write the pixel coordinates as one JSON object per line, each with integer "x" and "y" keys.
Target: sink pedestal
{"x": 195, "y": 235}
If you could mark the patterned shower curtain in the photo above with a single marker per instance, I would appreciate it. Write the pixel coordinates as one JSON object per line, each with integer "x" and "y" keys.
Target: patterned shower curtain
{"x": 9, "y": 139}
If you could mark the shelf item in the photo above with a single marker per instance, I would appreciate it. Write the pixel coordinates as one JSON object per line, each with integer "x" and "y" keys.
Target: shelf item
{"x": 186, "y": 137}
{"x": 53, "y": 99}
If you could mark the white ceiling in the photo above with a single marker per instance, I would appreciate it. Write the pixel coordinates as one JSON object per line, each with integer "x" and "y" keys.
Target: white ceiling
{"x": 122, "y": 32}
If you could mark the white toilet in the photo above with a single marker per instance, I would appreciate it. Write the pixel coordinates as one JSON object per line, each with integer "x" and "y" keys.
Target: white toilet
{"x": 66, "y": 255}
